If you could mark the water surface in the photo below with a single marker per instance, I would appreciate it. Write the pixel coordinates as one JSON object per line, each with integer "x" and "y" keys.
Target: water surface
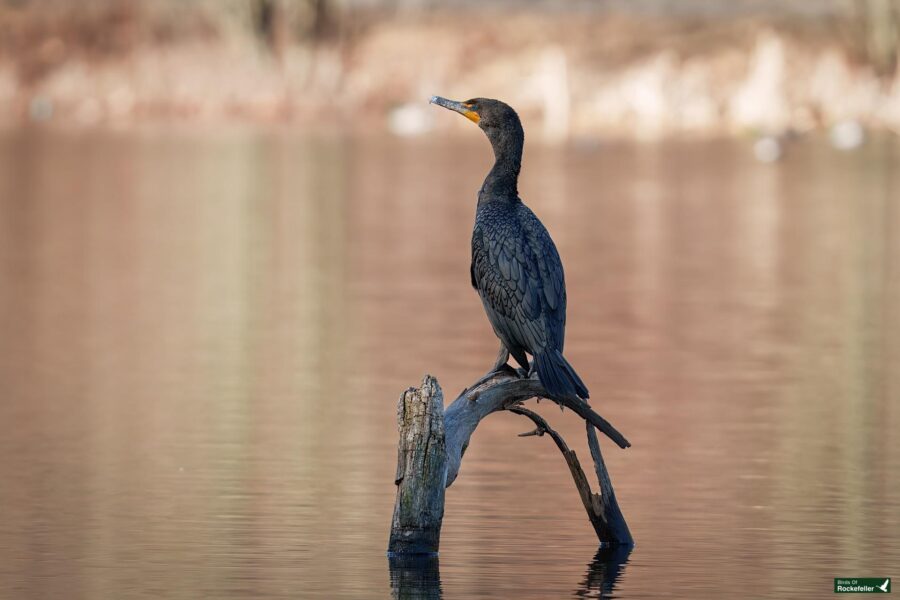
{"x": 203, "y": 337}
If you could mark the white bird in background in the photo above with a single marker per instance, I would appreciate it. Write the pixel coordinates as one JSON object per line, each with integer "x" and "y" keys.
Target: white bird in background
{"x": 883, "y": 586}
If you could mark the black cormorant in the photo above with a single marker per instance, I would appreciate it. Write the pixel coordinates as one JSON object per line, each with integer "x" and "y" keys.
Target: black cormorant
{"x": 515, "y": 266}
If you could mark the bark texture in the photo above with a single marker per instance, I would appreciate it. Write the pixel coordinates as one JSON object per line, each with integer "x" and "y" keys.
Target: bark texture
{"x": 421, "y": 471}
{"x": 433, "y": 441}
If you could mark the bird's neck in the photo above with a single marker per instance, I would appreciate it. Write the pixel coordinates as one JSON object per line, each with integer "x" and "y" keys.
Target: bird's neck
{"x": 501, "y": 182}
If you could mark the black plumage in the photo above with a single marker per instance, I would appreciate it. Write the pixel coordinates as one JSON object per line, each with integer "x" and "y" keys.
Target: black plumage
{"x": 515, "y": 266}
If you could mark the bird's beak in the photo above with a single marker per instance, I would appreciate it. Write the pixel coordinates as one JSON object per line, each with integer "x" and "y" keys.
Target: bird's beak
{"x": 460, "y": 107}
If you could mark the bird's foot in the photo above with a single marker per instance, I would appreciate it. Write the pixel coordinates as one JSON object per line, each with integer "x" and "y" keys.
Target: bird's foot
{"x": 505, "y": 368}
{"x": 508, "y": 369}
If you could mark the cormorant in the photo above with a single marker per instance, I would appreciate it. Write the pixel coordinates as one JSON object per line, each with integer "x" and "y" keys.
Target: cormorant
{"x": 515, "y": 266}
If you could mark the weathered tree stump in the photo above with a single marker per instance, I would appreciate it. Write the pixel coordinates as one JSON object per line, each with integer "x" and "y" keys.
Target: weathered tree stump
{"x": 421, "y": 471}
{"x": 433, "y": 441}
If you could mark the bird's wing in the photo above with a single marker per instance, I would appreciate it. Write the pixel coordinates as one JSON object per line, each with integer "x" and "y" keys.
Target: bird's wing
{"x": 549, "y": 264}
{"x": 517, "y": 271}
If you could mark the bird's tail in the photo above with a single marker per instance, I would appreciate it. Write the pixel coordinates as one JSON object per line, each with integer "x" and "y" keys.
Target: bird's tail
{"x": 557, "y": 375}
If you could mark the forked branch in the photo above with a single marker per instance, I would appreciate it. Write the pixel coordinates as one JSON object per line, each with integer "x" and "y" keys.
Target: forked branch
{"x": 433, "y": 441}
{"x": 499, "y": 391}
{"x": 602, "y": 509}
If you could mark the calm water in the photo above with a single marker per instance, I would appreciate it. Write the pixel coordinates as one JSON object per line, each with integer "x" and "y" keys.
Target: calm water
{"x": 203, "y": 337}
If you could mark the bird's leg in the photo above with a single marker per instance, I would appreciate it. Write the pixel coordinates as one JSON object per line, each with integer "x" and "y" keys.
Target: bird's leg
{"x": 501, "y": 365}
{"x": 521, "y": 372}
{"x": 502, "y": 359}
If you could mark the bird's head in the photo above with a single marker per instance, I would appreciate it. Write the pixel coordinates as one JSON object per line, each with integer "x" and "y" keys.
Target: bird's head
{"x": 497, "y": 119}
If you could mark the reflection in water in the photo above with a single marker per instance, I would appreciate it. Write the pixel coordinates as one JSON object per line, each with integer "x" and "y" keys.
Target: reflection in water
{"x": 415, "y": 577}
{"x": 203, "y": 338}
{"x": 419, "y": 577}
{"x": 603, "y": 572}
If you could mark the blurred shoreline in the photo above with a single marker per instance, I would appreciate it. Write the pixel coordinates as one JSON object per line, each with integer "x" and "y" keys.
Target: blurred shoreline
{"x": 576, "y": 74}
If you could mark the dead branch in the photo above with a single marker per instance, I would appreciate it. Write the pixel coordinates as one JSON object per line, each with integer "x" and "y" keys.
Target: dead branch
{"x": 433, "y": 441}
{"x": 590, "y": 500}
{"x": 602, "y": 509}
{"x": 609, "y": 507}
{"x": 498, "y": 391}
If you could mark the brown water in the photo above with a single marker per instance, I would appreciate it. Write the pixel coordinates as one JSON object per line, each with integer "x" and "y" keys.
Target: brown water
{"x": 203, "y": 337}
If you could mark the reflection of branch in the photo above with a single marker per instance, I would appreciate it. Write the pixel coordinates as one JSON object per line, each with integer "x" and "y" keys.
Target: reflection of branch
{"x": 415, "y": 577}
{"x": 433, "y": 441}
{"x": 603, "y": 572}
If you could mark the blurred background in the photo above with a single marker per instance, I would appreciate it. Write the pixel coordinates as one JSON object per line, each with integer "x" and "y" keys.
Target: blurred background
{"x": 233, "y": 231}
{"x": 580, "y": 70}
